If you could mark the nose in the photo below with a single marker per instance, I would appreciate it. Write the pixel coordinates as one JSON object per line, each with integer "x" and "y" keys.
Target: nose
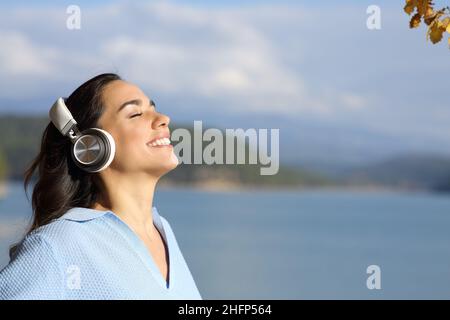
{"x": 161, "y": 121}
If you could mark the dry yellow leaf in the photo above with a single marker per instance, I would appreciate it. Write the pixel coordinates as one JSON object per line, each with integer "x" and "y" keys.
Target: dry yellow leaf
{"x": 429, "y": 12}
{"x": 410, "y": 6}
{"x": 435, "y": 32}
{"x": 415, "y": 21}
{"x": 438, "y": 22}
{"x": 436, "y": 15}
{"x": 423, "y": 6}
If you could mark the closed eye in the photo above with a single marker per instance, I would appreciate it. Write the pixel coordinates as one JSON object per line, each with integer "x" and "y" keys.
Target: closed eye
{"x": 152, "y": 105}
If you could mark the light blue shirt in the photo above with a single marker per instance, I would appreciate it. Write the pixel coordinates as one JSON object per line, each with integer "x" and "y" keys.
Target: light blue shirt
{"x": 93, "y": 254}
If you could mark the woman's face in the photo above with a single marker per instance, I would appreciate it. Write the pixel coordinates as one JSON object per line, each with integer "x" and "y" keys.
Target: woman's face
{"x": 131, "y": 118}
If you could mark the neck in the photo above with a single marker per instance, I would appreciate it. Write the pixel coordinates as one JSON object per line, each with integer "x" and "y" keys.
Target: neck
{"x": 130, "y": 198}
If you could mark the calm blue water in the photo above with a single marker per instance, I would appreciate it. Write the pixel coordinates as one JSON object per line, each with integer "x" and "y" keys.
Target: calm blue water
{"x": 297, "y": 245}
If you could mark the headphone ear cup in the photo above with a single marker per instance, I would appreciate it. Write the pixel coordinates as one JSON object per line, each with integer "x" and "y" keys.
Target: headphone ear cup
{"x": 94, "y": 150}
{"x": 111, "y": 146}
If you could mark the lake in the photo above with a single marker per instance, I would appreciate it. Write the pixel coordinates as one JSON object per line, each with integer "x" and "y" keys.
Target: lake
{"x": 296, "y": 244}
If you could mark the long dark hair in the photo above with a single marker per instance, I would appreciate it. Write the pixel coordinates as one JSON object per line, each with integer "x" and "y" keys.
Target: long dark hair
{"x": 60, "y": 184}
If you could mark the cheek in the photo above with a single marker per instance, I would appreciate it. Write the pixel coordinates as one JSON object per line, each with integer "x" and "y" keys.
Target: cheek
{"x": 130, "y": 141}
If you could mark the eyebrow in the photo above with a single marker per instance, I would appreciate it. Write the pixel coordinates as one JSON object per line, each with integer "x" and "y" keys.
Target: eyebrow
{"x": 135, "y": 102}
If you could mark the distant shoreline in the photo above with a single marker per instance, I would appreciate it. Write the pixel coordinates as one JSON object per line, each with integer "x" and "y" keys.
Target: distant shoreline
{"x": 220, "y": 186}
{"x": 3, "y": 189}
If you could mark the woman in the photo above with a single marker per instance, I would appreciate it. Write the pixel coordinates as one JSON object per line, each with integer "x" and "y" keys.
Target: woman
{"x": 96, "y": 235}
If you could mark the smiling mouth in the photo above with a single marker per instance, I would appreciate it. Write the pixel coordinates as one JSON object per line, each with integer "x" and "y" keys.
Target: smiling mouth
{"x": 163, "y": 142}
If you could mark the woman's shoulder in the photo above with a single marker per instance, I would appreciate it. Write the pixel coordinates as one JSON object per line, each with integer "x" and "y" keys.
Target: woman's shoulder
{"x": 45, "y": 240}
{"x": 34, "y": 270}
{"x": 39, "y": 259}
{"x": 53, "y": 238}
{"x": 68, "y": 225}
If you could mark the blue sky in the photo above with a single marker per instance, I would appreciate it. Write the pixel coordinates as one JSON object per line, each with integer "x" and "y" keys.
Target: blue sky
{"x": 310, "y": 68}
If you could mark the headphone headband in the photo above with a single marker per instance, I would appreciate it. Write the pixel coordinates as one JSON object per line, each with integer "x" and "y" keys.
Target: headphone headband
{"x": 63, "y": 119}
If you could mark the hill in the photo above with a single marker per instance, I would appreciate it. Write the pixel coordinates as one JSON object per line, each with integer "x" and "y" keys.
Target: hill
{"x": 21, "y": 142}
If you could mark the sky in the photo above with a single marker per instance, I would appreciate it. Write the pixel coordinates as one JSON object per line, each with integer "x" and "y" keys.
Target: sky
{"x": 337, "y": 91}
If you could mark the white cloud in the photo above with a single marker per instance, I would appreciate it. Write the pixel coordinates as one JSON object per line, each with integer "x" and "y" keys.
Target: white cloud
{"x": 239, "y": 70}
{"x": 20, "y": 57}
{"x": 352, "y": 101}
{"x": 312, "y": 61}
{"x": 214, "y": 54}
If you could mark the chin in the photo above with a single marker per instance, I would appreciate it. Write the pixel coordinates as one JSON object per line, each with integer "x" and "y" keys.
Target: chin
{"x": 172, "y": 165}
{"x": 167, "y": 166}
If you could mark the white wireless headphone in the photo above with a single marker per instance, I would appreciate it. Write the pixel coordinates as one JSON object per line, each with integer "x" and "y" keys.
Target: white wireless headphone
{"x": 92, "y": 149}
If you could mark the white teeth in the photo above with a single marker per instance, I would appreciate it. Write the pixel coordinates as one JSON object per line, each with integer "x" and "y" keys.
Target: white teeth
{"x": 160, "y": 142}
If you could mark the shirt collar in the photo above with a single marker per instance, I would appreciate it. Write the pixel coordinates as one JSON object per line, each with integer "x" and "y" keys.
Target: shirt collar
{"x": 81, "y": 214}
